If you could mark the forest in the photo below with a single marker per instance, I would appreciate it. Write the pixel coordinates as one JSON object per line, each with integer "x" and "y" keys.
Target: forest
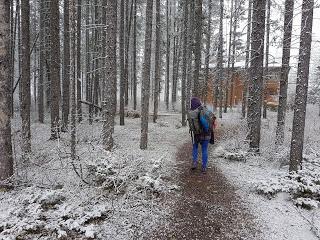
{"x": 96, "y": 137}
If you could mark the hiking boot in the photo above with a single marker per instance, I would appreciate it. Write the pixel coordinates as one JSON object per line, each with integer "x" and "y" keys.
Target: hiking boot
{"x": 194, "y": 166}
{"x": 204, "y": 171}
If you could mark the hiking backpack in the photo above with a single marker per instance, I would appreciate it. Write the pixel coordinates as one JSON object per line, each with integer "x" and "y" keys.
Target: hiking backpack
{"x": 194, "y": 120}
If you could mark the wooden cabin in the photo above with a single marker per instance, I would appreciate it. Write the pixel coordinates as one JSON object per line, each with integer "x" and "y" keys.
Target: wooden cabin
{"x": 235, "y": 94}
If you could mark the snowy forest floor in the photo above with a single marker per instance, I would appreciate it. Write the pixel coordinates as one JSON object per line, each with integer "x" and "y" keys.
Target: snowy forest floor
{"x": 133, "y": 194}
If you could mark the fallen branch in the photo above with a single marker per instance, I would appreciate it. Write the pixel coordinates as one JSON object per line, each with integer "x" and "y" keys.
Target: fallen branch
{"x": 90, "y": 104}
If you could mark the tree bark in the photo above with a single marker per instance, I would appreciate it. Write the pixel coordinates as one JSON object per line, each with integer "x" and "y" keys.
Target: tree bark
{"x": 256, "y": 78}
{"x": 79, "y": 78}
{"x": 111, "y": 74}
{"x": 226, "y": 103}
{"x": 145, "y": 90}
{"x": 198, "y": 45}
{"x": 220, "y": 59}
{"x": 299, "y": 116}
{"x": 6, "y": 158}
{"x": 266, "y": 68}
{"x": 167, "y": 86}
{"x": 247, "y": 62}
{"x": 122, "y": 74}
{"x": 25, "y": 100}
{"x": 134, "y": 56}
{"x": 73, "y": 79}
{"x": 207, "y": 57}
{"x": 289, "y": 5}
{"x": 233, "y": 56}
{"x": 157, "y": 63}
{"x": 66, "y": 68}
{"x": 184, "y": 63}
{"x": 55, "y": 90}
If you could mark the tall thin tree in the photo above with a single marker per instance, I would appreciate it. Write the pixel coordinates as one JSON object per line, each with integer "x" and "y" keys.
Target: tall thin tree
{"x": 73, "y": 78}
{"x": 247, "y": 62}
{"x": 184, "y": 63}
{"x": 25, "y": 96}
{"x": 55, "y": 90}
{"x": 111, "y": 74}
{"x": 266, "y": 68}
{"x": 145, "y": 90}
{"x": 66, "y": 67}
{"x": 220, "y": 59}
{"x": 79, "y": 78}
{"x": 256, "y": 73}
{"x": 6, "y": 158}
{"x": 198, "y": 46}
{"x": 121, "y": 52}
{"x": 297, "y": 140}
{"x": 157, "y": 62}
{"x": 288, "y": 17}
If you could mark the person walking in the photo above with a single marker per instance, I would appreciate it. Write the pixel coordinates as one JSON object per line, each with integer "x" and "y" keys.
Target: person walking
{"x": 201, "y": 124}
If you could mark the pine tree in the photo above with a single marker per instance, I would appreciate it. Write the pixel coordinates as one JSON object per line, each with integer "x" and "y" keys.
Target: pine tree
{"x": 25, "y": 96}
{"x": 198, "y": 44}
{"x": 55, "y": 90}
{"x": 256, "y": 73}
{"x": 66, "y": 68}
{"x": 297, "y": 139}
{"x": 6, "y": 158}
{"x": 289, "y": 5}
{"x": 121, "y": 52}
{"x": 157, "y": 62}
{"x": 184, "y": 63}
{"x": 220, "y": 59}
{"x": 111, "y": 74}
{"x": 247, "y": 62}
{"x": 145, "y": 90}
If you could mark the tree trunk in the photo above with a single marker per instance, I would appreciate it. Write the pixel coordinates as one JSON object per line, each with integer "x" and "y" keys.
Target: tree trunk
{"x": 134, "y": 56}
{"x": 226, "y": 103}
{"x": 299, "y": 116}
{"x": 198, "y": 45}
{"x": 126, "y": 65}
{"x": 233, "y": 56}
{"x": 25, "y": 101}
{"x": 145, "y": 90}
{"x": 167, "y": 87}
{"x": 256, "y": 81}
{"x": 12, "y": 52}
{"x": 122, "y": 74}
{"x": 66, "y": 68}
{"x": 157, "y": 62}
{"x": 79, "y": 79}
{"x": 184, "y": 64}
{"x": 73, "y": 78}
{"x": 220, "y": 58}
{"x": 96, "y": 72}
{"x": 55, "y": 69}
{"x": 247, "y": 63}
{"x": 41, "y": 66}
{"x": 289, "y": 5}
{"x": 6, "y": 158}
{"x": 111, "y": 74}
{"x": 266, "y": 68}
{"x": 190, "y": 50}
{"x": 207, "y": 57}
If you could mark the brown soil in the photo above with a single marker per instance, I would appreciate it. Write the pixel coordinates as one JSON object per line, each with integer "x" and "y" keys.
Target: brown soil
{"x": 207, "y": 206}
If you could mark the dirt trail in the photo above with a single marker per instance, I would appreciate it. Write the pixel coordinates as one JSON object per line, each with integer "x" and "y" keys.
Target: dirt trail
{"x": 207, "y": 206}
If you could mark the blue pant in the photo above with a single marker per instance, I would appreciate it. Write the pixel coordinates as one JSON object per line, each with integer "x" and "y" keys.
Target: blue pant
{"x": 204, "y": 147}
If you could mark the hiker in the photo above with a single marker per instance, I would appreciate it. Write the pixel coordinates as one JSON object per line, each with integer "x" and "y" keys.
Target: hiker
{"x": 201, "y": 123}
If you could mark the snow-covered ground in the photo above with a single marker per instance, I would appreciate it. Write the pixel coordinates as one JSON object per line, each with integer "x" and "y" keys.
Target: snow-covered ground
{"x": 120, "y": 194}
{"x": 276, "y": 210}
{"x": 103, "y": 195}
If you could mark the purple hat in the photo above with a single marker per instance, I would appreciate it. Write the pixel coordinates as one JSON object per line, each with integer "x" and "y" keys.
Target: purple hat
{"x": 195, "y": 103}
